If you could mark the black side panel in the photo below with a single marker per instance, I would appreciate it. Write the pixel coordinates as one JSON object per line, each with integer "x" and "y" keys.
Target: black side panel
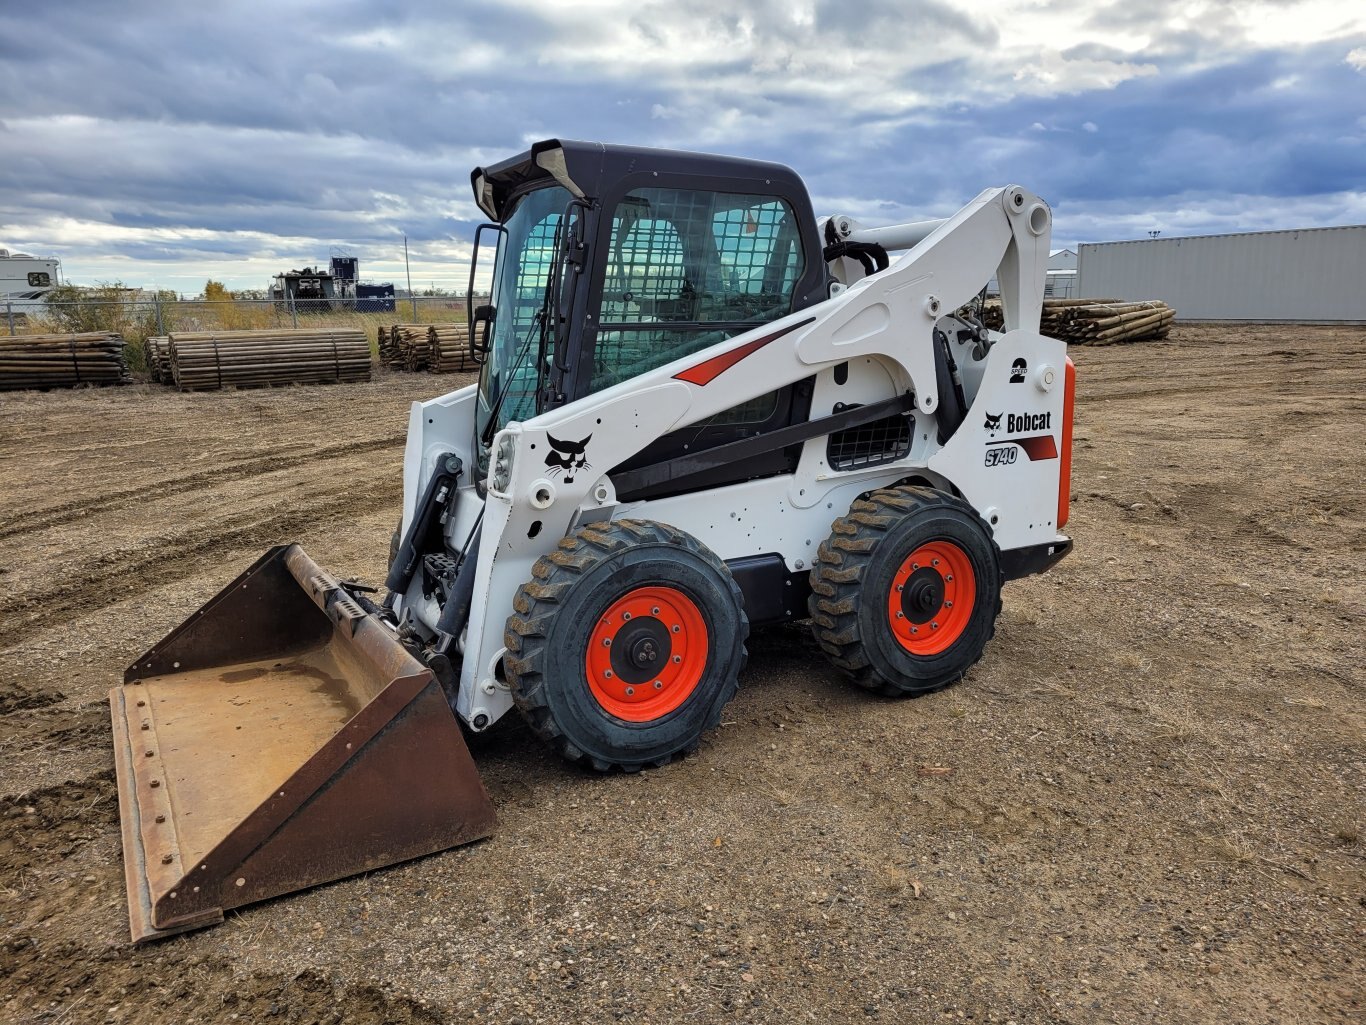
{"x": 1023, "y": 562}
{"x": 772, "y": 594}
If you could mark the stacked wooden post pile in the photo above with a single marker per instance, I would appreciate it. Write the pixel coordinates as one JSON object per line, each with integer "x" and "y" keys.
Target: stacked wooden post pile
{"x": 450, "y": 349}
{"x": 62, "y": 360}
{"x": 1094, "y": 321}
{"x": 414, "y": 345}
{"x": 158, "y": 358}
{"x": 1104, "y": 322}
{"x": 404, "y": 346}
{"x": 389, "y": 353}
{"x": 241, "y": 359}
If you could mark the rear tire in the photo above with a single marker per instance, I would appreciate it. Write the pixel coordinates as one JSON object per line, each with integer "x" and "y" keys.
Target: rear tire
{"x": 626, "y": 644}
{"x": 906, "y": 591}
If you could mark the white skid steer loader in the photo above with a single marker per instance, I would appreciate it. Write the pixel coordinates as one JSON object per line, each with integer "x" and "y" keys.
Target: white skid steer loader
{"x": 700, "y": 409}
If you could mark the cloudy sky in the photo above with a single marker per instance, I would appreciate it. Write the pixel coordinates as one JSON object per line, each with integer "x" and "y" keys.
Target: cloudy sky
{"x": 162, "y": 144}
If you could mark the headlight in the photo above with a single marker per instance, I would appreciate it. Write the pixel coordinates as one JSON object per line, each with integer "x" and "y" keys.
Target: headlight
{"x": 501, "y": 475}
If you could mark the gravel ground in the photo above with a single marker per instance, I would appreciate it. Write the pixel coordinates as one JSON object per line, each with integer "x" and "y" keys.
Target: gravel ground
{"x": 1144, "y": 804}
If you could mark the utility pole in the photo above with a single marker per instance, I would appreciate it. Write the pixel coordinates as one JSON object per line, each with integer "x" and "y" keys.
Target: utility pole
{"x": 411, "y": 298}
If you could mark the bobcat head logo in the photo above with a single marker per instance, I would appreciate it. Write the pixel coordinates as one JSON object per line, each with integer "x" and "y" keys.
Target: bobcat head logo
{"x": 1017, "y": 371}
{"x": 993, "y": 422}
{"x": 569, "y": 457}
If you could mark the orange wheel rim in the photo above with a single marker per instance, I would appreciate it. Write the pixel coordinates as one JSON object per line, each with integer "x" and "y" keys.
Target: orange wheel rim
{"x": 646, "y": 653}
{"x": 931, "y": 598}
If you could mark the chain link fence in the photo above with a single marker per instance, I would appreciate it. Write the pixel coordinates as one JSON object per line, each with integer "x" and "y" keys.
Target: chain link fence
{"x": 137, "y": 318}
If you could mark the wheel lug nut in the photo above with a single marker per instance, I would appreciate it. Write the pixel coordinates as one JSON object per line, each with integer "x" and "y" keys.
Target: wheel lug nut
{"x": 901, "y": 615}
{"x": 948, "y": 605}
{"x": 936, "y": 562}
{"x": 900, "y": 587}
{"x": 607, "y": 642}
{"x": 915, "y": 629}
{"x": 654, "y": 611}
{"x": 678, "y": 659}
{"x": 934, "y": 626}
{"x": 630, "y": 691}
{"x": 625, "y": 615}
{"x": 949, "y": 577}
{"x": 608, "y": 674}
{"x": 676, "y": 628}
{"x": 659, "y": 685}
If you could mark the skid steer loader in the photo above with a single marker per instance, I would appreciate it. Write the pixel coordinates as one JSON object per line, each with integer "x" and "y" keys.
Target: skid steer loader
{"x": 700, "y": 409}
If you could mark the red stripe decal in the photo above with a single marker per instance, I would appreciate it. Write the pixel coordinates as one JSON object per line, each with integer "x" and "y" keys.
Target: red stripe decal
{"x": 704, "y": 373}
{"x": 1041, "y": 446}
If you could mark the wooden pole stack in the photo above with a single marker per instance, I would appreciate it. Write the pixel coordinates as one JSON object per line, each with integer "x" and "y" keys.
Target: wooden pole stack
{"x": 389, "y": 353}
{"x": 241, "y": 359}
{"x": 62, "y": 360}
{"x": 450, "y": 349}
{"x": 1095, "y": 321}
{"x": 158, "y": 358}
{"x": 411, "y": 345}
{"x": 1091, "y": 322}
{"x": 439, "y": 348}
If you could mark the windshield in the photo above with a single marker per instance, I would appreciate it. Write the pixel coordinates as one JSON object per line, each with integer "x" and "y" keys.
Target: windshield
{"x": 521, "y": 270}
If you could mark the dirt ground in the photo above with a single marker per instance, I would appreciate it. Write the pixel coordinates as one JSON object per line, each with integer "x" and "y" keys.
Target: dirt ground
{"x": 1152, "y": 809}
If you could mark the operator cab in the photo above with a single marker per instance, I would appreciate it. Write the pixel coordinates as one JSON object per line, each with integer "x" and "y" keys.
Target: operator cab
{"x": 610, "y": 261}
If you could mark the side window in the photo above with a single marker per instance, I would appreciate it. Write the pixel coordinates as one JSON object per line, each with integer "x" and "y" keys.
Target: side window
{"x": 39, "y": 279}
{"x": 533, "y": 270}
{"x": 761, "y": 254}
{"x": 687, "y": 269}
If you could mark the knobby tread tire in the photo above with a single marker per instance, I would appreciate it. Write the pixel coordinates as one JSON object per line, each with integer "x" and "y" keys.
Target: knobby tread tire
{"x": 554, "y": 599}
{"x": 862, "y": 543}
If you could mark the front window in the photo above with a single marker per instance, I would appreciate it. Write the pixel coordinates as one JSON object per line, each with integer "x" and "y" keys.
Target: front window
{"x": 521, "y": 272}
{"x": 687, "y": 269}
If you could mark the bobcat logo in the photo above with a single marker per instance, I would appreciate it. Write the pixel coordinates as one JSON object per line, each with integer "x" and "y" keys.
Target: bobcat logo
{"x": 1017, "y": 371}
{"x": 569, "y": 457}
{"x": 993, "y": 422}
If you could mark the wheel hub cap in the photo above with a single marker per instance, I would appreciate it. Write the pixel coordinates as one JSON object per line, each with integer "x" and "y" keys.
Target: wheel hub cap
{"x": 931, "y": 599}
{"x": 646, "y": 653}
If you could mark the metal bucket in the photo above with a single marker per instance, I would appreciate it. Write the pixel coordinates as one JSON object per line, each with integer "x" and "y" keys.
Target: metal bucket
{"x": 280, "y": 738}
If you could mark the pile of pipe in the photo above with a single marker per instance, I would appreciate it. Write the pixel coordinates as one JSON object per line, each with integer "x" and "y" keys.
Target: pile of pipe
{"x": 62, "y": 360}
{"x": 242, "y": 359}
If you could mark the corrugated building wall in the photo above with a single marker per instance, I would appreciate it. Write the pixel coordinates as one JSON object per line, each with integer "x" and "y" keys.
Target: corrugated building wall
{"x": 1302, "y": 275}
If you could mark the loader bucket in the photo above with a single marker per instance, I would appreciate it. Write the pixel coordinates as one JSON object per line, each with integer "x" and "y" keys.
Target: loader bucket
{"x": 280, "y": 738}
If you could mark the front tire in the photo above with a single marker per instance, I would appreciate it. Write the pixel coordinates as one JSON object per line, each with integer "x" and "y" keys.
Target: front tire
{"x": 626, "y": 644}
{"x": 906, "y": 591}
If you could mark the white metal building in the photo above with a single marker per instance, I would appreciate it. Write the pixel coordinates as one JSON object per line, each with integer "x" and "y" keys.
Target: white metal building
{"x": 1309, "y": 274}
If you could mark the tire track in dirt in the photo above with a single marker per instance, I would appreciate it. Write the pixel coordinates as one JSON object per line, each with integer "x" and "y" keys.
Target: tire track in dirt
{"x": 16, "y": 697}
{"x": 44, "y": 826}
{"x": 173, "y": 558}
{"x": 54, "y": 982}
{"x": 55, "y": 516}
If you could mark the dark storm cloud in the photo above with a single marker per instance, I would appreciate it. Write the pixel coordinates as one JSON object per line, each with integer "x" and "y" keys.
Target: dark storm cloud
{"x": 243, "y": 132}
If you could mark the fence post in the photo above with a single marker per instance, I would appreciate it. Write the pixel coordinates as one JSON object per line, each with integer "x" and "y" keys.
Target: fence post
{"x": 413, "y": 299}
{"x": 156, "y": 300}
{"x": 9, "y": 314}
{"x": 293, "y": 312}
